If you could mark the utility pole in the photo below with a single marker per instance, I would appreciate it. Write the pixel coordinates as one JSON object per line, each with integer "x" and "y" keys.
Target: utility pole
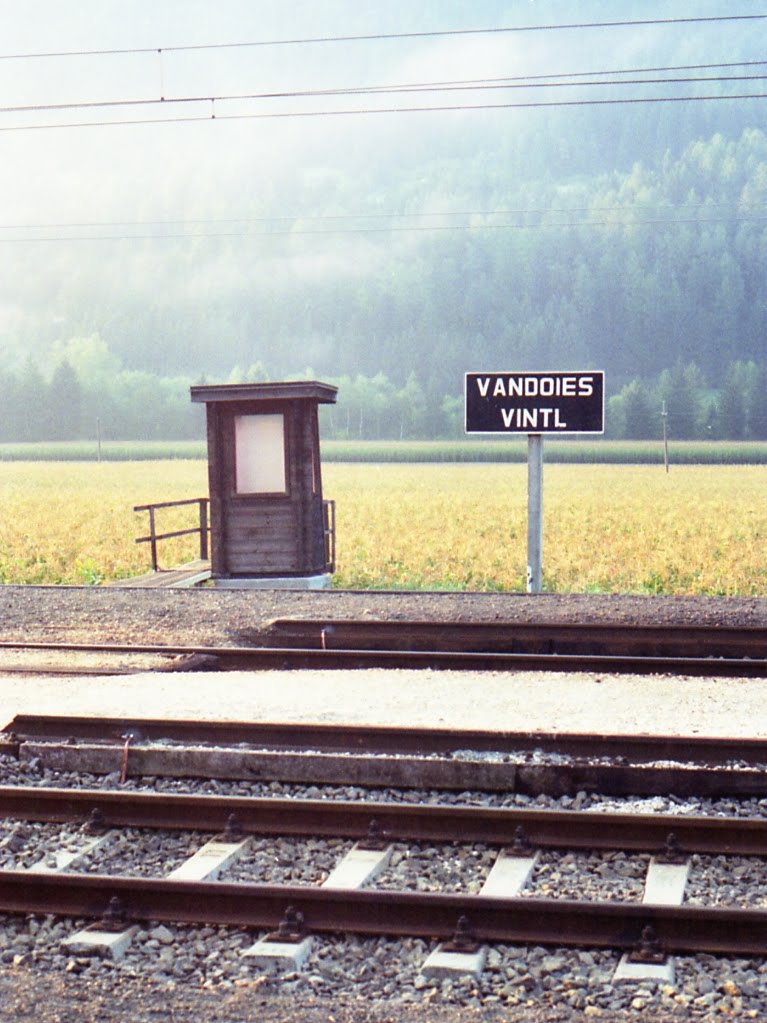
{"x": 664, "y": 418}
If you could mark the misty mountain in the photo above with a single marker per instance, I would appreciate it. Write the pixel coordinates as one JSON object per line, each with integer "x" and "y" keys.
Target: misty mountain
{"x": 623, "y": 236}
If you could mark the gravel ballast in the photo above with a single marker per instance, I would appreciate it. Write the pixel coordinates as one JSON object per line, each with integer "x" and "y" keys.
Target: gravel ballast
{"x": 383, "y": 975}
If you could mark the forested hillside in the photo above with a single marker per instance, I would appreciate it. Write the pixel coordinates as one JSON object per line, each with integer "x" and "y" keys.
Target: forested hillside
{"x": 393, "y": 253}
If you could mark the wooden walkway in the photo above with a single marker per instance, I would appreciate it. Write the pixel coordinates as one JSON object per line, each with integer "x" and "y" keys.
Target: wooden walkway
{"x": 191, "y": 574}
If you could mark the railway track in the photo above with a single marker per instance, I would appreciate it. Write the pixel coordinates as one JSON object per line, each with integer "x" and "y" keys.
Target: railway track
{"x": 295, "y": 800}
{"x": 449, "y": 887}
{"x": 559, "y": 900}
{"x": 517, "y": 835}
{"x": 329, "y": 643}
{"x": 617, "y": 640}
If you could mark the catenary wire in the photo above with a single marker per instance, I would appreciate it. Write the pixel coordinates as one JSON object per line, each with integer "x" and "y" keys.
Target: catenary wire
{"x": 633, "y": 70}
{"x": 325, "y": 217}
{"x": 416, "y": 87}
{"x": 413, "y": 229}
{"x": 360, "y": 111}
{"x": 380, "y": 36}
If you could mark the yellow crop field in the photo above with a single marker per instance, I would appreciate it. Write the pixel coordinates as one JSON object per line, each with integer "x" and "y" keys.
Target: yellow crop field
{"x": 607, "y": 528}
{"x": 72, "y": 522}
{"x": 695, "y": 530}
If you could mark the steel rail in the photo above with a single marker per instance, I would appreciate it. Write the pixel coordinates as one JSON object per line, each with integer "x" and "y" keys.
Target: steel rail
{"x": 289, "y": 658}
{"x": 520, "y": 920}
{"x": 522, "y": 637}
{"x": 390, "y": 821}
{"x": 394, "y": 739}
{"x": 405, "y": 758}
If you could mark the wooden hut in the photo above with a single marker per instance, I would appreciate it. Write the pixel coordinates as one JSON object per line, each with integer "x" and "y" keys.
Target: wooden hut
{"x": 268, "y": 518}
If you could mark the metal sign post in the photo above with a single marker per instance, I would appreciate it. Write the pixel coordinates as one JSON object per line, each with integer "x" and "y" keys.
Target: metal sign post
{"x": 534, "y": 513}
{"x": 535, "y": 404}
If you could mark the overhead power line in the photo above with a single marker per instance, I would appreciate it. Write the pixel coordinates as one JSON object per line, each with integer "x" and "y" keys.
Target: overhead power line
{"x": 214, "y": 115}
{"x": 389, "y": 229}
{"x": 472, "y": 85}
{"x": 559, "y": 80}
{"x": 636, "y": 70}
{"x": 421, "y": 215}
{"x": 380, "y": 36}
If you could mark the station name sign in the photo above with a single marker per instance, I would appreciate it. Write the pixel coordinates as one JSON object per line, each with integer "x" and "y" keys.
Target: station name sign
{"x": 535, "y": 402}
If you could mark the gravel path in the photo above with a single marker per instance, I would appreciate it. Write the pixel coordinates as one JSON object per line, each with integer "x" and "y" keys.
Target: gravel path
{"x": 234, "y": 617}
{"x": 524, "y": 701}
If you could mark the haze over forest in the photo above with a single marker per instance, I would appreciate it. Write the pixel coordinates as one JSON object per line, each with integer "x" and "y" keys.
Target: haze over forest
{"x": 403, "y": 247}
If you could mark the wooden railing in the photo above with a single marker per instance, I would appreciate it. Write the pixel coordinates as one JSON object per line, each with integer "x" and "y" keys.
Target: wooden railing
{"x": 329, "y": 529}
{"x": 328, "y": 525}
{"x": 203, "y": 528}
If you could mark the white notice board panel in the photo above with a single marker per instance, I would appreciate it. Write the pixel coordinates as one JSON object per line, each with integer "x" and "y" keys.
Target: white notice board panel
{"x": 259, "y": 444}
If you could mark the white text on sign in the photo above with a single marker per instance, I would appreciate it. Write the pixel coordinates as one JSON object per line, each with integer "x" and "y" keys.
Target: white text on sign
{"x": 537, "y": 387}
